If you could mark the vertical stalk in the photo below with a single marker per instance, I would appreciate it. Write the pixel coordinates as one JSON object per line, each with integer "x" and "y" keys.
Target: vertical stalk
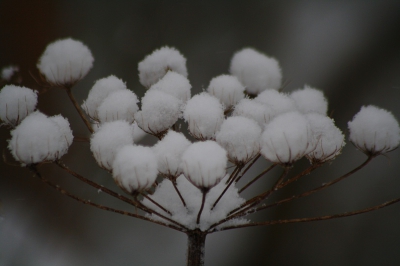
{"x": 196, "y": 247}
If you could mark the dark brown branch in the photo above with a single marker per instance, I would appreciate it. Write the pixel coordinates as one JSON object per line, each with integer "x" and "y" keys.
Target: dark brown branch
{"x": 248, "y": 167}
{"x": 232, "y": 178}
{"x": 257, "y": 177}
{"x": 305, "y": 172}
{"x": 155, "y": 203}
{"x": 78, "y": 108}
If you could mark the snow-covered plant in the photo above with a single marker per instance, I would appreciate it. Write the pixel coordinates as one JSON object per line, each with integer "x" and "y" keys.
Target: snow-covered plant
{"x": 190, "y": 182}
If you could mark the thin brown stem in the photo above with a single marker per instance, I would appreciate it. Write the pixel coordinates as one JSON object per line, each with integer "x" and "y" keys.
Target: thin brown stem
{"x": 179, "y": 193}
{"x": 305, "y": 172}
{"x": 232, "y": 178}
{"x": 155, "y": 203}
{"x": 257, "y": 177}
{"x": 79, "y": 109}
{"x": 203, "y": 199}
{"x": 248, "y": 167}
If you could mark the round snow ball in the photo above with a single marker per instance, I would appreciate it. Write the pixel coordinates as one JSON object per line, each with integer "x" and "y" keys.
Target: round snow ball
{"x": 119, "y": 105}
{"x": 160, "y": 111}
{"x": 8, "y": 72}
{"x": 156, "y": 65}
{"x": 278, "y": 102}
{"x": 16, "y": 103}
{"x": 204, "y": 114}
{"x": 257, "y": 111}
{"x": 108, "y": 139}
{"x": 328, "y": 140}
{"x": 39, "y": 138}
{"x": 64, "y": 62}
{"x": 100, "y": 90}
{"x": 286, "y": 138}
{"x": 175, "y": 84}
{"x": 204, "y": 163}
{"x": 256, "y": 71}
{"x": 374, "y": 130}
{"x": 227, "y": 89}
{"x": 240, "y": 137}
{"x": 169, "y": 151}
{"x": 135, "y": 168}
{"x": 310, "y": 100}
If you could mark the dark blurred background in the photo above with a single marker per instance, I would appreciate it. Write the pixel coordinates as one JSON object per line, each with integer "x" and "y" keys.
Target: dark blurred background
{"x": 348, "y": 49}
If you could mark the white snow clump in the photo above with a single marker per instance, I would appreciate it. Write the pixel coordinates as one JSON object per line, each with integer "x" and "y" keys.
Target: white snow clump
{"x": 175, "y": 84}
{"x": 108, "y": 139}
{"x": 204, "y": 163}
{"x": 287, "y": 138}
{"x": 66, "y": 61}
{"x": 227, "y": 89}
{"x": 40, "y": 138}
{"x": 16, "y": 103}
{"x": 278, "y": 102}
{"x": 204, "y": 114}
{"x": 374, "y": 130}
{"x": 118, "y": 105}
{"x": 257, "y": 111}
{"x": 240, "y": 137}
{"x": 156, "y": 65}
{"x": 135, "y": 168}
{"x": 256, "y": 71}
{"x": 8, "y": 72}
{"x": 310, "y": 100}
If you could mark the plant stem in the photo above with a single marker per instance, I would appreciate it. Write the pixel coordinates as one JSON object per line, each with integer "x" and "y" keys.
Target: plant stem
{"x": 196, "y": 247}
{"x": 78, "y": 108}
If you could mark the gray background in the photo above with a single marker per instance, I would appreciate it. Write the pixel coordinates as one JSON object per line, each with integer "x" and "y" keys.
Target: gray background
{"x": 348, "y": 49}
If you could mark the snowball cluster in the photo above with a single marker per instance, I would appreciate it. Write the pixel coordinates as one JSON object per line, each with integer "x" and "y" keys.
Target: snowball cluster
{"x": 310, "y": 100}
{"x": 204, "y": 114}
{"x": 227, "y": 89}
{"x": 16, "y": 103}
{"x": 286, "y": 138}
{"x": 169, "y": 151}
{"x": 256, "y": 71}
{"x": 204, "y": 163}
{"x": 160, "y": 111}
{"x": 278, "y": 102}
{"x": 174, "y": 84}
{"x": 64, "y": 62}
{"x": 40, "y": 138}
{"x": 374, "y": 130}
{"x": 8, "y": 72}
{"x": 240, "y": 137}
{"x": 119, "y": 105}
{"x": 328, "y": 140}
{"x": 135, "y": 168}
{"x": 257, "y": 111}
{"x": 108, "y": 139}
{"x": 156, "y": 65}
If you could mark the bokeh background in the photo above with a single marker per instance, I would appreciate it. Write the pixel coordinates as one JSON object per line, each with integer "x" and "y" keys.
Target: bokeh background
{"x": 348, "y": 49}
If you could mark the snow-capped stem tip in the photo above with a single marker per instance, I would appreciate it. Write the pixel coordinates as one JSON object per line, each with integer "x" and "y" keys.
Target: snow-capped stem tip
{"x": 79, "y": 110}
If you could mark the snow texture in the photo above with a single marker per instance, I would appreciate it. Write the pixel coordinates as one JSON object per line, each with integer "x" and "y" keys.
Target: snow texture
{"x": 156, "y": 65}
{"x": 100, "y": 90}
{"x": 16, "y": 103}
{"x": 286, "y": 138}
{"x": 169, "y": 151}
{"x": 240, "y": 137}
{"x": 167, "y": 196}
{"x": 138, "y": 133}
{"x": 39, "y": 138}
{"x": 310, "y": 100}
{"x": 66, "y": 61}
{"x": 204, "y": 114}
{"x": 135, "y": 168}
{"x": 278, "y": 102}
{"x": 227, "y": 89}
{"x": 8, "y": 72}
{"x": 160, "y": 111}
{"x": 257, "y": 111}
{"x": 108, "y": 139}
{"x": 374, "y": 130}
{"x": 204, "y": 164}
{"x": 174, "y": 84}
{"x": 256, "y": 71}
{"x": 118, "y": 105}
{"x": 328, "y": 140}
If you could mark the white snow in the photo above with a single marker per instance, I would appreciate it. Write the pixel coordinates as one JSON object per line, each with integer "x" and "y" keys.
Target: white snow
{"x": 118, "y": 105}
{"x": 257, "y": 111}
{"x": 278, "y": 102}
{"x": 8, "y": 72}
{"x": 310, "y": 100}
{"x": 175, "y": 84}
{"x": 227, "y": 89}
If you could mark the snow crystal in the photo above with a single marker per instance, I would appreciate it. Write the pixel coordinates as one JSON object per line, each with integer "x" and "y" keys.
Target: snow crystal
{"x": 118, "y": 105}
{"x": 204, "y": 163}
{"x": 135, "y": 168}
{"x": 279, "y": 102}
{"x": 160, "y": 111}
{"x": 175, "y": 84}
{"x": 256, "y": 71}
{"x": 169, "y": 151}
{"x": 310, "y": 100}
{"x": 227, "y": 89}
{"x": 65, "y": 62}
{"x": 374, "y": 130}
{"x": 257, "y": 111}
{"x": 108, "y": 139}
{"x": 16, "y": 103}
{"x": 8, "y": 72}
{"x": 328, "y": 140}
{"x": 100, "y": 90}
{"x": 240, "y": 137}
{"x": 157, "y": 64}
{"x": 286, "y": 138}
{"x": 204, "y": 114}
{"x": 39, "y": 138}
